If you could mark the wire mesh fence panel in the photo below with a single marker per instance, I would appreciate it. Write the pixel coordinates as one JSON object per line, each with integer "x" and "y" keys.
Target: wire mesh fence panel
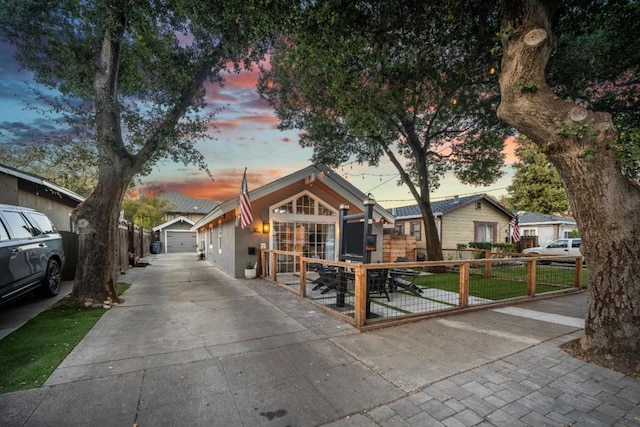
{"x": 333, "y": 287}
{"x": 557, "y": 276}
{"x": 498, "y": 281}
{"x": 287, "y": 270}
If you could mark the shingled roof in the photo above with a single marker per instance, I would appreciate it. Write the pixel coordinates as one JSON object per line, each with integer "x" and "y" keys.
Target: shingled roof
{"x": 444, "y": 206}
{"x": 539, "y": 218}
{"x": 181, "y": 203}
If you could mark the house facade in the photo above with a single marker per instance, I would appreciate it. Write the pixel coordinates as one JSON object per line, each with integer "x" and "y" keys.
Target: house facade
{"x": 31, "y": 191}
{"x": 299, "y": 212}
{"x": 546, "y": 227}
{"x": 475, "y": 218}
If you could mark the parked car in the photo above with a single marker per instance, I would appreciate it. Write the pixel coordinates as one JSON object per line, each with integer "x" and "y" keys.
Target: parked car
{"x": 31, "y": 254}
{"x": 569, "y": 247}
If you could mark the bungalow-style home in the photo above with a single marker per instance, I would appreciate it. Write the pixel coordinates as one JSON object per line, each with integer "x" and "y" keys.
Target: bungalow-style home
{"x": 547, "y": 227}
{"x": 183, "y": 212}
{"x": 475, "y": 218}
{"x": 31, "y": 191}
{"x": 299, "y": 212}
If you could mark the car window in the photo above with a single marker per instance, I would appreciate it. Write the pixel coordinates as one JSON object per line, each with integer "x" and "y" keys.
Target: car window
{"x": 40, "y": 222}
{"x": 17, "y": 225}
{"x": 576, "y": 243}
{"x": 3, "y": 233}
{"x": 558, "y": 244}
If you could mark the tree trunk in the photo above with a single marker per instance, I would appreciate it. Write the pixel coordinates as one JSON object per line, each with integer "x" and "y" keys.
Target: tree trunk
{"x": 97, "y": 218}
{"x": 605, "y": 203}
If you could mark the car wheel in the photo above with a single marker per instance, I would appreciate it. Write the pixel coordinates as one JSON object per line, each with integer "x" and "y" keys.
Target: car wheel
{"x": 51, "y": 282}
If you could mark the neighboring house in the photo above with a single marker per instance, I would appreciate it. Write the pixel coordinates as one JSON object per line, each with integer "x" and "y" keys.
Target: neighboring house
{"x": 299, "y": 212}
{"x": 24, "y": 189}
{"x": 476, "y": 218}
{"x": 176, "y": 236}
{"x": 183, "y": 206}
{"x": 547, "y": 227}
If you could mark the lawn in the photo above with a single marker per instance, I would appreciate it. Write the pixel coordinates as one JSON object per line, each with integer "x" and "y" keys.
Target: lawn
{"x": 29, "y": 355}
{"x": 505, "y": 282}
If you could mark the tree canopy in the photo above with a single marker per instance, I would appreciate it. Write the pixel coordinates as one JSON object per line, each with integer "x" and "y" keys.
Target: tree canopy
{"x": 134, "y": 72}
{"x": 536, "y": 185}
{"x": 367, "y": 79}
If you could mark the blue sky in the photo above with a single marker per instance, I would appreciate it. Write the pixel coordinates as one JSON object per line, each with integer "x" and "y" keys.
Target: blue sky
{"x": 246, "y": 136}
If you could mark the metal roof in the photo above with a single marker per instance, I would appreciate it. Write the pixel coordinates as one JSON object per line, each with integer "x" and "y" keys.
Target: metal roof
{"x": 181, "y": 203}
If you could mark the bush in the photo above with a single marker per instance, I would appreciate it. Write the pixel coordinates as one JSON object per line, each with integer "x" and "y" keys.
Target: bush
{"x": 481, "y": 245}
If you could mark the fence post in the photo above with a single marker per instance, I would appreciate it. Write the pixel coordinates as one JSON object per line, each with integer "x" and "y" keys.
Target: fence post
{"x": 361, "y": 296}
{"x": 463, "y": 288}
{"x": 273, "y": 267}
{"x": 303, "y": 277}
{"x": 263, "y": 266}
{"x": 531, "y": 278}
{"x": 487, "y": 264}
{"x": 578, "y": 278}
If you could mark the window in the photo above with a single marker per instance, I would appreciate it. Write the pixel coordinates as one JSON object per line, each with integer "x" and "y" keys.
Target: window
{"x": 559, "y": 244}
{"x": 41, "y": 223}
{"x": 18, "y": 226}
{"x": 220, "y": 238}
{"x": 305, "y": 205}
{"x": 3, "y": 233}
{"x": 400, "y": 228}
{"x": 325, "y": 211}
{"x": 286, "y": 208}
{"x": 529, "y": 232}
{"x": 416, "y": 229}
{"x": 576, "y": 243}
{"x": 485, "y": 231}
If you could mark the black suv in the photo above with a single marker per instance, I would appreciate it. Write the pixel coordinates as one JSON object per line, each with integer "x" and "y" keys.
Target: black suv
{"x": 31, "y": 253}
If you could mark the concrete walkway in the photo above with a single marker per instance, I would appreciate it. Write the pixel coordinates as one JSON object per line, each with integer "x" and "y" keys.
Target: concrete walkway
{"x": 193, "y": 347}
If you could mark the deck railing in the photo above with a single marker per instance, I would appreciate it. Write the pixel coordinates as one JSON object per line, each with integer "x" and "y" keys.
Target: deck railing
{"x": 414, "y": 290}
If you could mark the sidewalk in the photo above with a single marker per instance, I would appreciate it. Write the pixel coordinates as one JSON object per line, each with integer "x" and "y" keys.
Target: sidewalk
{"x": 191, "y": 346}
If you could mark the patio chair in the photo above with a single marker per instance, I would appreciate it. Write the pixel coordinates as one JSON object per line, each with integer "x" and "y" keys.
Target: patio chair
{"x": 328, "y": 279}
{"x": 398, "y": 280}
{"x": 377, "y": 280}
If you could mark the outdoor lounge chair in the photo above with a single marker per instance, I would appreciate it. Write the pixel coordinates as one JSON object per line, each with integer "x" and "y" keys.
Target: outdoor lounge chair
{"x": 398, "y": 280}
{"x": 377, "y": 280}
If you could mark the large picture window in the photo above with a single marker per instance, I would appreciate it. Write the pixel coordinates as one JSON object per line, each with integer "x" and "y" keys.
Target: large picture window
{"x": 303, "y": 224}
{"x": 485, "y": 231}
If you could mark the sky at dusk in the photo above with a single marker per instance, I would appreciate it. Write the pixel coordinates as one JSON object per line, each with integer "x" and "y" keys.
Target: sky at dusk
{"x": 245, "y": 136}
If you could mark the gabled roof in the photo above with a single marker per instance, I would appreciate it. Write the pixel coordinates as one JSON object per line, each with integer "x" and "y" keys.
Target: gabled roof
{"x": 181, "y": 203}
{"x": 442, "y": 207}
{"x": 173, "y": 221}
{"x": 317, "y": 172}
{"x": 533, "y": 218}
{"x": 41, "y": 181}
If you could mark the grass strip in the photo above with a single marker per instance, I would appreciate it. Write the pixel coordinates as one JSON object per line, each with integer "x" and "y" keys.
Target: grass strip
{"x": 29, "y": 355}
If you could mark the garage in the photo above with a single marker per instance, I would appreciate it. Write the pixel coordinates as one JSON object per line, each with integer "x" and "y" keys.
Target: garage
{"x": 176, "y": 236}
{"x": 181, "y": 241}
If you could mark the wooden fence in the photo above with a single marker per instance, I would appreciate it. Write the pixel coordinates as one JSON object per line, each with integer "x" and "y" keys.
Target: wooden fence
{"x": 412, "y": 290}
{"x": 132, "y": 241}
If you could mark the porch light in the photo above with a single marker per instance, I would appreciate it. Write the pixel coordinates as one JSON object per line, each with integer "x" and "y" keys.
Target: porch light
{"x": 265, "y": 228}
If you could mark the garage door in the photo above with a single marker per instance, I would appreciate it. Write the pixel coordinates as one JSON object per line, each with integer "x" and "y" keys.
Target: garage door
{"x": 184, "y": 241}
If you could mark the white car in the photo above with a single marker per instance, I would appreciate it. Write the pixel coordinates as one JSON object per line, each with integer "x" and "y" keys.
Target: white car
{"x": 569, "y": 247}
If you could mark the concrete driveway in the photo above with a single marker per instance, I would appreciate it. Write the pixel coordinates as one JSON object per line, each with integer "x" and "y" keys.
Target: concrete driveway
{"x": 192, "y": 346}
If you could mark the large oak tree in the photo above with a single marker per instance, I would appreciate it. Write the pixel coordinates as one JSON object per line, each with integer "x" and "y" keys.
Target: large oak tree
{"x": 137, "y": 70}
{"x": 573, "y": 124}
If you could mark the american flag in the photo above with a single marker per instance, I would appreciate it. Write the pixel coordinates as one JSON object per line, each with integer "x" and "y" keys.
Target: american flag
{"x": 515, "y": 230}
{"x": 246, "y": 216}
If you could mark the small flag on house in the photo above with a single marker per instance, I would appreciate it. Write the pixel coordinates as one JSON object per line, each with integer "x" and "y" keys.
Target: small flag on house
{"x": 515, "y": 230}
{"x": 246, "y": 216}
